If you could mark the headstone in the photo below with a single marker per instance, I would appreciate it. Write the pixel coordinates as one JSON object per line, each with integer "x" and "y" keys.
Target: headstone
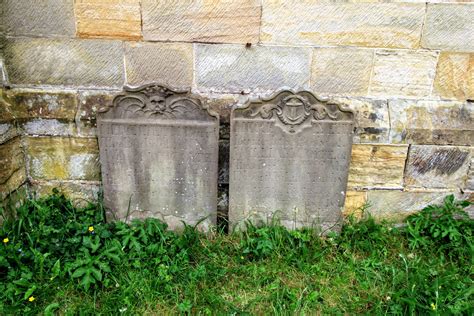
{"x": 159, "y": 154}
{"x": 289, "y": 160}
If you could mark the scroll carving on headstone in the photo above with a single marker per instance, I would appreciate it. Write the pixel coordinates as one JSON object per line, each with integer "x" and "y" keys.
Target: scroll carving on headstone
{"x": 159, "y": 152}
{"x": 289, "y": 160}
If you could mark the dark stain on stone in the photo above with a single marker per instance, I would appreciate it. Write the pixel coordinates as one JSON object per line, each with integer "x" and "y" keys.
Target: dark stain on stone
{"x": 373, "y": 117}
{"x": 373, "y": 130}
{"x": 442, "y": 161}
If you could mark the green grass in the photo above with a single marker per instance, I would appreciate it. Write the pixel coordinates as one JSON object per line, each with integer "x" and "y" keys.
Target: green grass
{"x": 142, "y": 268}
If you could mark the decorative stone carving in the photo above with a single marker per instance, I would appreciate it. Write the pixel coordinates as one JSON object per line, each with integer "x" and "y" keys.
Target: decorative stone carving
{"x": 289, "y": 158}
{"x": 159, "y": 153}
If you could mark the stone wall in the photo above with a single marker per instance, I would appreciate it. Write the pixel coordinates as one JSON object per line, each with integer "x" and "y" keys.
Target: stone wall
{"x": 405, "y": 67}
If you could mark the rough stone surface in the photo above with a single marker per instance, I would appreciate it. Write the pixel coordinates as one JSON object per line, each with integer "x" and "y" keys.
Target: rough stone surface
{"x": 437, "y": 167}
{"x": 49, "y": 127}
{"x": 432, "y": 122}
{"x": 355, "y": 202}
{"x": 7, "y": 132}
{"x": 455, "y": 76}
{"x": 63, "y": 158}
{"x": 12, "y": 166}
{"x": 470, "y": 175}
{"x": 159, "y": 155}
{"x": 341, "y": 70}
{"x": 64, "y": 62}
{"x": 108, "y": 18}
{"x": 403, "y": 73}
{"x": 372, "y": 119}
{"x": 289, "y": 157}
{"x": 228, "y": 21}
{"x": 46, "y": 18}
{"x": 377, "y": 166}
{"x": 357, "y": 24}
{"x": 449, "y": 27}
{"x": 232, "y": 68}
{"x": 167, "y": 63}
{"x": 397, "y": 205}
{"x": 80, "y": 192}
{"x": 90, "y": 102}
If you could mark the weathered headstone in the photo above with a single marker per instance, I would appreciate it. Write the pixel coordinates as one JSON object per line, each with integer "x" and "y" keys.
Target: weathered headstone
{"x": 289, "y": 160}
{"x": 159, "y": 153}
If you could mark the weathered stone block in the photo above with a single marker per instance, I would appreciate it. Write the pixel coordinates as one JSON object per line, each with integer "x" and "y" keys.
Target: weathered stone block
{"x": 64, "y": 62}
{"x": 432, "y": 122}
{"x": 355, "y": 202}
{"x": 47, "y": 18}
{"x": 470, "y": 176}
{"x": 403, "y": 73}
{"x": 437, "y": 167}
{"x": 455, "y": 76}
{"x": 228, "y": 21}
{"x": 61, "y": 158}
{"x": 49, "y": 127}
{"x": 89, "y": 103}
{"x": 232, "y": 68}
{"x": 7, "y": 132}
{"x": 359, "y": 24}
{"x": 167, "y": 63}
{"x": 449, "y": 27}
{"x": 79, "y": 192}
{"x": 12, "y": 166}
{"x": 377, "y": 166}
{"x": 341, "y": 70}
{"x": 371, "y": 117}
{"x": 108, "y": 18}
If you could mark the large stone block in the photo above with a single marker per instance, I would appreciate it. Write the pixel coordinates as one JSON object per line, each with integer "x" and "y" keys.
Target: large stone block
{"x": 371, "y": 118}
{"x": 80, "y": 192}
{"x": 403, "y": 73}
{"x": 8, "y": 131}
{"x": 12, "y": 166}
{"x": 392, "y": 25}
{"x": 355, "y": 203}
{"x": 232, "y": 68}
{"x": 63, "y": 158}
{"x": 90, "y": 101}
{"x": 48, "y": 127}
{"x": 45, "y": 18}
{"x": 377, "y": 166}
{"x": 437, "y": 167}
{"x": 108, "y": 18}
{"x": 455, "y": 76}
{"x": 431, "y": 122}
{"x": 449, "y": 27}
{"x": 64, "y": 62}
{"x": 222, "y": 21}
{"x": 167, "y": 63}
{"x": 341, "y": 70}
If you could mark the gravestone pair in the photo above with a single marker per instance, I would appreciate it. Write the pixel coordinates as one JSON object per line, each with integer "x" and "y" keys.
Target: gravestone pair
{"x": 289, "y": 158}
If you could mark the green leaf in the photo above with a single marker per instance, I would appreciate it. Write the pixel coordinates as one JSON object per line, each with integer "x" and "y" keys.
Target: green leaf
{"x": 56, "y": 269}
{"x": 79, "y": 272}
{"x": 29, "y": 292}
{"x": 49, "y": 310}
{"x": 96, "y": 273}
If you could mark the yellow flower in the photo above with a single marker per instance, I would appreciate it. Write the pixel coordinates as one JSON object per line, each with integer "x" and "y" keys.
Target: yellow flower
{"x": 433, "y": 306}
{"x": 5, "y": 240}
{"x": 31, "y": 298}
{"x": 91, "y": 228}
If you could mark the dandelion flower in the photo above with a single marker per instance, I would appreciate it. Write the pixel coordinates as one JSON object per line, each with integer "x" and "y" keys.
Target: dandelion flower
{"x": 91, "y": 228}
{"x": 5, "y": 240}
{"x": 31, "y": 298}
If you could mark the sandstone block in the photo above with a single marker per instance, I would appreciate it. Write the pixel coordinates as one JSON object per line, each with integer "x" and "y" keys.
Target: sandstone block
{"x": 48, "y": 127}
{"x": 470, "y": 176}
{"x": 437, "y": 167}
{"x": 455, "y": 76}
{"x": 222, "y": 21}
{"x": 403, "y": 73}
{"x": 377, "y": 166}
{"x": 79, "y": 192}
{"x": 108, "y": 18}
{"x": 232, "y": 68}
{"x": 64, "y": 62}
{"x": 7, "y": 132}
{"x": 12, "y": 166}
{"x": 359, "y": 24}
{"x": 61, "y": 158}
{"x": 372, "y": 119}
{"x": 449, "y": 27}
{"x": 432, "y": 122}
{"x": 168, "y": 63}
{"x": 341, "y": 70}
{"x": 47, "y": 18}
{"x": 90, "y": 102}
{"x": 355, "y": 201}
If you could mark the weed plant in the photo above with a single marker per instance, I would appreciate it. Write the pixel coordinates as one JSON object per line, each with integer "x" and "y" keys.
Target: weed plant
{"x": 57, "y": 258}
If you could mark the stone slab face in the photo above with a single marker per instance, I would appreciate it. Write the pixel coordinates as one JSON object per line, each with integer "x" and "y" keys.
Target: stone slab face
{"x": 232, "y": 68}
{"x": 159, "y": 155}
{"x": 108, "y": 18}
{"x": 449, "y": 27}
{"x": 341, "y": 70}
{"x": 403, "y": 73}
{"x": 392, "y": 25}
{"x": 12, "y": 166}
{"x": 289, "y": 157}
{"x": 46, "y": 18}
{"x": 228, "y": 21}
{"x": 437, "y": 167}
{"x": 377, "y": 166}
{"x": 64, "y": 62}
{"x": 79, "y": 192}
{"x": 455, "y": 76}
{"x": 432, "y": 122}
{"x": 470, "y": 174}
{"x": 167, "y": 63}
